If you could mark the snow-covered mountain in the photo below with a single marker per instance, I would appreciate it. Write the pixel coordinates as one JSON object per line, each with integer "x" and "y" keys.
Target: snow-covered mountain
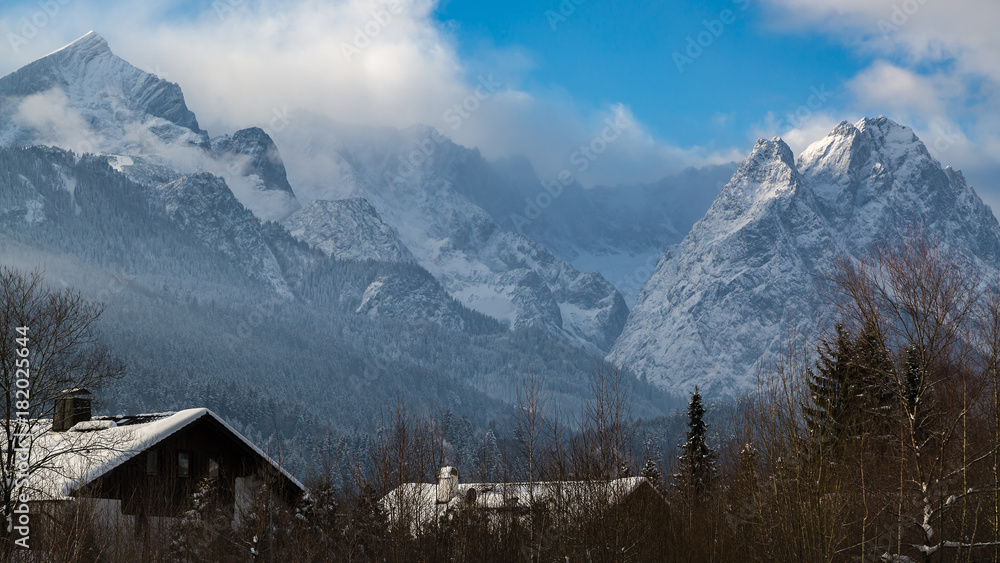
{"x": 203, "y": 205}
{"x": 619, "y": 231}
{"x": 745, "y": 277}
{"x": 411, "y": 298}
{"x": 256, "y": 173}
{"x": 415, "y": 180}
{"x": 348, "y": 229}
{"x": 86, "y": 99}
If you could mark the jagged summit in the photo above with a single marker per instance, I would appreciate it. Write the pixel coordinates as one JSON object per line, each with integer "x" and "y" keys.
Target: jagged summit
{"x": 256, "y": 173}
{"x": 112, "y": 98}
{"x": 745, "y": 276}
{"x": 849, "y": 150}
{"x": 767, "y": 173}
{"x": 91, "y": 44}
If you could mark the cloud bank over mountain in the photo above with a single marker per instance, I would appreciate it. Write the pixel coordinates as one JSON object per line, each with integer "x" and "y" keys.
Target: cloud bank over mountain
{"x": 357, "y": 61}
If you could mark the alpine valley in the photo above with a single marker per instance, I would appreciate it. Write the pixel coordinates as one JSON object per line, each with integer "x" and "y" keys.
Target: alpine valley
{"x": 260, "y": 273}
{"x": 299, "y": 281}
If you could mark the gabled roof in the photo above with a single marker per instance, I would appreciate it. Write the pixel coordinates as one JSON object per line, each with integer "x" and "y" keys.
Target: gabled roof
{"x": 93, "y": 448}
{"x": 417, "y": 502}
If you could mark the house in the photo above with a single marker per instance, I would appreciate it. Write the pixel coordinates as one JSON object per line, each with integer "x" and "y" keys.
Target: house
{"x": 425, "y": 505}
{"x": 146, "y": 465}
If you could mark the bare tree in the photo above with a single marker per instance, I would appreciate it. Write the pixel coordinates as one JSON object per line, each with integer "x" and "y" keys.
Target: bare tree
{"x": 608, "y": 427}
{"x": 936, "y": 314}
{"x": 529, "y": 424}
{"x": 48, "y": 344}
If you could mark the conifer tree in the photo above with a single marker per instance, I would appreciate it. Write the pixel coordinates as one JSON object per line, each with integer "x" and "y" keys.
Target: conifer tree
{"x": 831, "y": 386}
{"x": 849, "y": 388}
{"x": 651, "y": 473}
{"x": 697, "y": 460}
{"x": 875, "y": 385}
{"x": 205, "y": 528}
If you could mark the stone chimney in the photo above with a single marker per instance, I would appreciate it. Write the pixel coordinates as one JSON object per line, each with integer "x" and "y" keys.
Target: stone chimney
{"x": 71, "y": 406}
{"x": 447, "y": 484}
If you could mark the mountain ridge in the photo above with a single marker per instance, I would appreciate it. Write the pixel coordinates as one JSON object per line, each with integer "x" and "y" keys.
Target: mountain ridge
{"x": 745, "y": 276}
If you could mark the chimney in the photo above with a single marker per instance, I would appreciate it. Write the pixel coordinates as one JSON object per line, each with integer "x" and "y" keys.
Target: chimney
{"x": 447, "y": 484}
{"x": 71, "y": 406}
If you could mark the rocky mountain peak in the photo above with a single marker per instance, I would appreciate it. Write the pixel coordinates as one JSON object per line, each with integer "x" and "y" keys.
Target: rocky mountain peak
{"x": 86, "y": 79}
{"x": 89, "y": 46}
{"x": 263, "y": 160}
{"x": 769, "y": 162}
{"x": 744, "y": 277}
{"x": 842, "y": 153}
{"x": 348, "y": 229}
{"x": 767, "y": 174}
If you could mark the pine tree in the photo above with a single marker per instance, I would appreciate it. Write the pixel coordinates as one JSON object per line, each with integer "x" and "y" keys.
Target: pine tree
{"x": 697, "y": 460}
{"x": 651, "y": 473}
{"x": 831, "y": 387}
{"x": 849, "y": 388}
{"x": 205, "y": 528}
{"x": 875, "y": 374}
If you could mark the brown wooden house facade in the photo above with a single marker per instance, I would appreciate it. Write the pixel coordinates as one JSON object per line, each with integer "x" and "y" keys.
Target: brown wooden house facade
{"x": 149, "y": 465}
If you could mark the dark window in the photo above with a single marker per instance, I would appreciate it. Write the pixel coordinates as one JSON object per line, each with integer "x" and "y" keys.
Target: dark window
{"x": 153, "y": 463}
{"x": 213, "y": 468}
{"x": 183, "y": 464}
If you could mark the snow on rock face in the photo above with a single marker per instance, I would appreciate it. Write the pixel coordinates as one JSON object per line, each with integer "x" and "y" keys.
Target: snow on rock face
{"x": 251, "y": 155}
{"x": 203, "y": 205}
{"x": 348, "y": 229}
{"x": 620, "y": 231}
{"x": 744, "y": 278}
{"x": 407, "y": 177}
{"x": 84, "y": 98}
{"x": 410, "y": 298}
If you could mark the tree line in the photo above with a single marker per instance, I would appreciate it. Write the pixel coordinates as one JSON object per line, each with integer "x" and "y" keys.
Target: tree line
{"x": 877, "y": 440}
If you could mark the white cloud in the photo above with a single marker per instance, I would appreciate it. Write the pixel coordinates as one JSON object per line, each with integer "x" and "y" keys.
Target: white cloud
{"x": 798, "y": 134}
{"x": 935, "y": 68}
{"x": 54, "y": 121}
{"x": 898, "y": 89}
{"x": 371, "y": 62}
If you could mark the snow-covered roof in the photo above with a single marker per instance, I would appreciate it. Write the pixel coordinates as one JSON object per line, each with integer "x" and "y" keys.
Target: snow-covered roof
{"x": 93, "y": 448}
{"x": 417, "y": 502}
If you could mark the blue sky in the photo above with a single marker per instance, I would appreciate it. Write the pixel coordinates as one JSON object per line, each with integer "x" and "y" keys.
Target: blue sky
{"x": 606, "y": 52}
{"x": 561, "y": 70}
